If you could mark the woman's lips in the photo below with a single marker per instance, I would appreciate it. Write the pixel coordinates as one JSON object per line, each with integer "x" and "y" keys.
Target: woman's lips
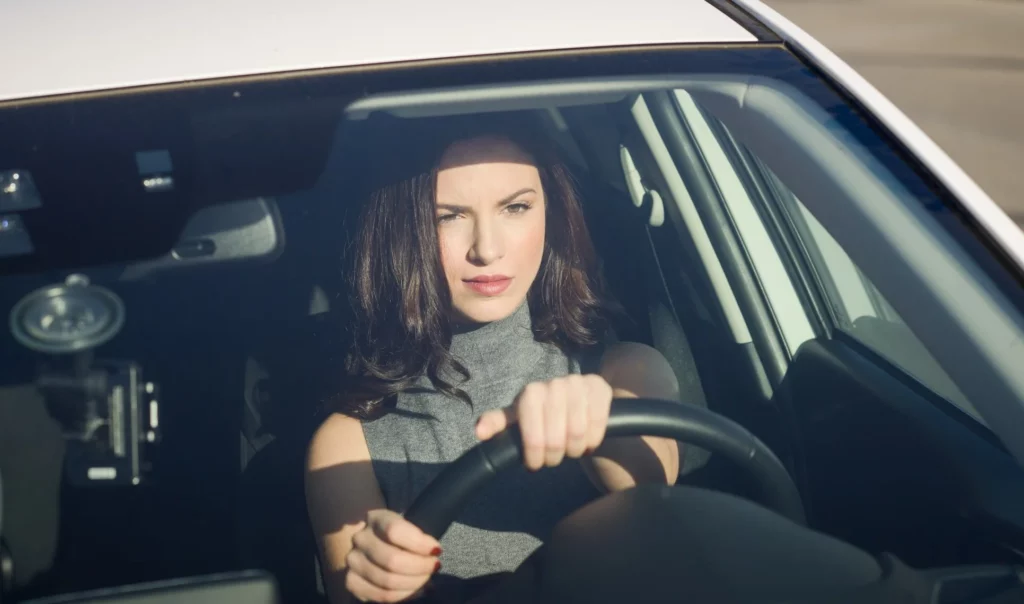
{"x": 488, "y": 285}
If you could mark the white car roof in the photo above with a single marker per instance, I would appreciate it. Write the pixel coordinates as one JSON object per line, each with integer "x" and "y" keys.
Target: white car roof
{"x": 54, "y": 48}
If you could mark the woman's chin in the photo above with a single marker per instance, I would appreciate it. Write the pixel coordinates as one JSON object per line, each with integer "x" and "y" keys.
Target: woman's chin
{"x": 487, "y": 310}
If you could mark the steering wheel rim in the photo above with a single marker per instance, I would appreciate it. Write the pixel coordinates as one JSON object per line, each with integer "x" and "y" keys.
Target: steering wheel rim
{"x": 437, "y": 507}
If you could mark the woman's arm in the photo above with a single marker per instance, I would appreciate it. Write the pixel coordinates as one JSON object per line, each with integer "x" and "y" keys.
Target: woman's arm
{"x": 341, "y": 490}
{"x": 392, "y": 558}
{"x": 635, "y": 371}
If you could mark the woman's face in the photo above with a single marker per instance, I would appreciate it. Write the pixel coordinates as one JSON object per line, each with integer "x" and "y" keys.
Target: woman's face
{"x": 490, "y": 222}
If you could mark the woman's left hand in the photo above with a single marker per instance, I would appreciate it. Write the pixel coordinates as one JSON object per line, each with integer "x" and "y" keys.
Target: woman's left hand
{"x": 566, "y": 416}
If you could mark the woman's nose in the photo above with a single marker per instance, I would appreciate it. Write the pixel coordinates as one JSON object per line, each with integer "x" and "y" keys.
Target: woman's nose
{"x": 488, "y": 246}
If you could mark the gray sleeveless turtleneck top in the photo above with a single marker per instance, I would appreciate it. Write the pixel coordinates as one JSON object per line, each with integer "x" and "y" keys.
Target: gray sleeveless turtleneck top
{"x": 509, "y": 519}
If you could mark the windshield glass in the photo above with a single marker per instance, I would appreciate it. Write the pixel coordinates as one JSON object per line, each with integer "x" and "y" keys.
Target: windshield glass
{"x": 189, "y": 246}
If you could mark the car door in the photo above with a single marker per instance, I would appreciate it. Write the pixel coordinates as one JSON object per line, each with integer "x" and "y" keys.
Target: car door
{"x": 890, "y": 453}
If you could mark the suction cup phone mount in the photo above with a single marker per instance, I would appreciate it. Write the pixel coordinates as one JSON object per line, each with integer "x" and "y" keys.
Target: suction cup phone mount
{"x": 108, "y": 413}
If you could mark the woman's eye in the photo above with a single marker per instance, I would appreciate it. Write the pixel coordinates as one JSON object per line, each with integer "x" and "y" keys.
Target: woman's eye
{"x": 443, "y": 218}
{"x": 518, "y": 208}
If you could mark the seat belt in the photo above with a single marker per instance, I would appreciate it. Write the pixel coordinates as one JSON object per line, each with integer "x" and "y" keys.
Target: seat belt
{"x": 670, "y": 339}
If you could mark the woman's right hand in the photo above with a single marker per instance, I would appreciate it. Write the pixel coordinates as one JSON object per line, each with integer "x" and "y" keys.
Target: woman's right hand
{"x": 391, "y": 559}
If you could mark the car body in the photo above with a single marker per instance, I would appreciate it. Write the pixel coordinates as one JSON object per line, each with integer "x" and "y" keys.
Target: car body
{"x": 811, "y": 264}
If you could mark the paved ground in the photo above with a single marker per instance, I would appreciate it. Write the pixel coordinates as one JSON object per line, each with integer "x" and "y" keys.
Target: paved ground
{"x": 956, "y": 67}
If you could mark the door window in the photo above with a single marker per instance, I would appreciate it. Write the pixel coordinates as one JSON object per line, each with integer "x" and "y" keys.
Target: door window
{"x": 873, "y": 257}
{"x": 857, "y": 308}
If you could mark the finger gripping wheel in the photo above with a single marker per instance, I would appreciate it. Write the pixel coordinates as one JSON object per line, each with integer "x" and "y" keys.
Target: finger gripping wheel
{"x": 443, "y": 499}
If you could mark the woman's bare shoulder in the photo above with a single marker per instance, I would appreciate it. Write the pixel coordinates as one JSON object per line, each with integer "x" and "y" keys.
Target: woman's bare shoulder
{"x": 340, "y": 484}
{"x": 339, "y": 439}
{"x": 640, "y": 369}
{"x": 631, "y": 352}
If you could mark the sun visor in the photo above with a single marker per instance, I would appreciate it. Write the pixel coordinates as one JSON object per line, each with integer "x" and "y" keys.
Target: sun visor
{"x": 387, "y": 150}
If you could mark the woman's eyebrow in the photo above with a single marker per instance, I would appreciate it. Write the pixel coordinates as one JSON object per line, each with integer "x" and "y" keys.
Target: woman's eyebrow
{"x": 450, "y": 207}
{"x": 510, "y": 198}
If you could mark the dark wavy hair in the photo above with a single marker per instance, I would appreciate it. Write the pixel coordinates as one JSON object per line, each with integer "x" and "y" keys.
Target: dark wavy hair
{"x": 400, "y": 299}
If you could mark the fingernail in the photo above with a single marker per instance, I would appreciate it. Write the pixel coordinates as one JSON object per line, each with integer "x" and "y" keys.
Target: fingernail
{"x": 436, "y": 552}
{"x": 437, "y": 566}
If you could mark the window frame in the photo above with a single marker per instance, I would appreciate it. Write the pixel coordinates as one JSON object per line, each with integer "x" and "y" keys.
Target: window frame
{"x": 782, "y": 229}
{"x": 707, "y": 196}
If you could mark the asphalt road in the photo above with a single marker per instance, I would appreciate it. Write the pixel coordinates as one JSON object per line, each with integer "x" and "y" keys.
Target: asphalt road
{"x": 955, "y": 67}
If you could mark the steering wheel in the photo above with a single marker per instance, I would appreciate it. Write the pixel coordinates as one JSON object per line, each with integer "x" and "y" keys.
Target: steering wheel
{"x": 440, "y": 503}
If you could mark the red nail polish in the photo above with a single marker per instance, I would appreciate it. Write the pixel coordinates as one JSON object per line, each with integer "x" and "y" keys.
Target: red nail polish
{"x": 437, "y": 566}
{"x": 435, "y": 552}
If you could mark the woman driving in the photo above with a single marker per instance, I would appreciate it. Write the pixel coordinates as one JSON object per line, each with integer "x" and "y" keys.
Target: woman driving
{"x": 477, "y": 304}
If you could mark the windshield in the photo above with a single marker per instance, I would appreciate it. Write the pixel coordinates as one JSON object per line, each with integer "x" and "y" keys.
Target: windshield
{"x": 186, "y": 248}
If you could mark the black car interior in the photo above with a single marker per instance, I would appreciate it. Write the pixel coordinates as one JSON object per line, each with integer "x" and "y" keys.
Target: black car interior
{"x": 246, "y": 353}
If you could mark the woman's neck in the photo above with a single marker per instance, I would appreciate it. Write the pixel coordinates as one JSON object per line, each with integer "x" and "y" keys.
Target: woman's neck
{"x": 494, "y": 341}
